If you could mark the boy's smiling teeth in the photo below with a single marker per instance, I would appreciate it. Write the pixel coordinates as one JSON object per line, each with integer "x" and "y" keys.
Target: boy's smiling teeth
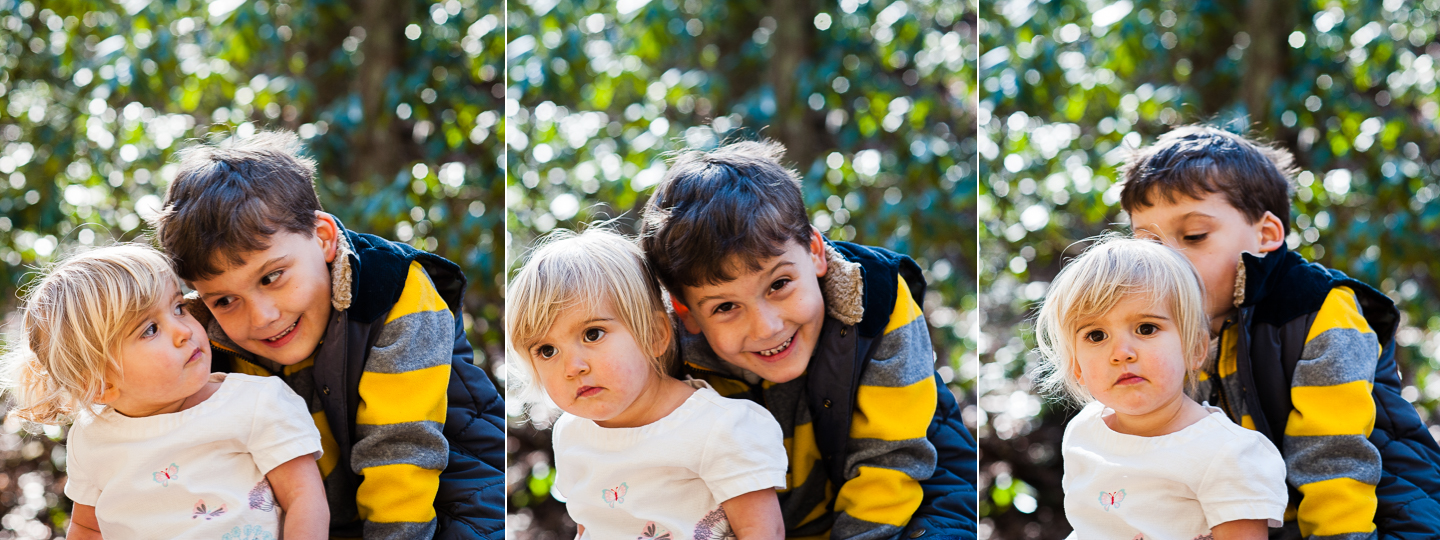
{"x": 285, "y": 333}
{"x": 777, "y": 350}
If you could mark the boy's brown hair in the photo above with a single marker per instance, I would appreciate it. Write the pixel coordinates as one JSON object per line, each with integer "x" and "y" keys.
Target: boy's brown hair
{"x": 229, "y": 198}
{"x": 1196, "y": 161}
{"x": 720, "y": 211}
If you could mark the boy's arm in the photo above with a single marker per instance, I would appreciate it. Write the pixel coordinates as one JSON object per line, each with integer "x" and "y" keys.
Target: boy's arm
{"x": 888, "y": 452}
{"x": 1328, "y": 457}
{"x": 755, "y": 515}
{"x": 301, "y": 493}
{"x": 401, "y": 448}
{"x": 83, "y": 525}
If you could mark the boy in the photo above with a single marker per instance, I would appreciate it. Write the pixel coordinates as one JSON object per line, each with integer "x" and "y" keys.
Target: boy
{"x": 828, "y": 336}
{"x": 1305, "y": 355}
{"x": 359, "y": 326}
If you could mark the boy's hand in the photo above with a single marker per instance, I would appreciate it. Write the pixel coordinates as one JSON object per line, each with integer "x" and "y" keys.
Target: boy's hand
{"x": 755, "y": 515}
{"x": 301, "y": 493}
{"x": 83, "y": 525}
{"x": 1241, "y": 529}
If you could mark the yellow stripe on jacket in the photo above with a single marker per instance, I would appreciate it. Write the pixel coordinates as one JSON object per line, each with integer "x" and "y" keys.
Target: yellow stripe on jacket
{"x": 894, "y": 406}
{"x": 401, "y": 450}
{"x": 1329, "y": 459}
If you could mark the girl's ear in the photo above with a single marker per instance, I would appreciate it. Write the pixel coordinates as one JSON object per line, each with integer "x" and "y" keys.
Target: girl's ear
{"x": 663, "y": 335}
{"x": 108, "y": 395}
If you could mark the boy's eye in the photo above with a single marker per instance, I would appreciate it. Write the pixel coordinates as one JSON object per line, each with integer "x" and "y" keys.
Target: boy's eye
{"x": 593, "y": 334}
{"x": 1192, "y": 238}
{"x": 271, "y": 277}
{"x": 221, "y": 302}
{"x": 1147, "y": 329}
{"x": 547, "y": 351}
{"x": 1095, "y": 336}
{"x": 779, "y": 284}
{"x": 722, "y": 308}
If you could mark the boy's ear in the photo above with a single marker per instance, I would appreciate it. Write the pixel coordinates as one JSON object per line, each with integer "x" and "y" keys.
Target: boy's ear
{"x": 817, "y": 253}
{"x": 329, "y": 234}
{"x": 1271, "y": 231}
{"x": 685, "y": 317}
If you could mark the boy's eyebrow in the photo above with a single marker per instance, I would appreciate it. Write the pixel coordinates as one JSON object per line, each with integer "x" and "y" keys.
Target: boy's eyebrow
{"x": 771, "y": 271}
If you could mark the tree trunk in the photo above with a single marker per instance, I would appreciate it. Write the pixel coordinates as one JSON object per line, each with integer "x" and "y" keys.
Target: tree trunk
{"x": 791, "y": 41}
{"x": 1267, "y": 22}
{"x": 377, "y": 141}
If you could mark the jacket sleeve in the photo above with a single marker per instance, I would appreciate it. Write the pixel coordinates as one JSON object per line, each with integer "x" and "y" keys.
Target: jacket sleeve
{"x": 471, "y": 501}
{"x": 1328, "y": 457}
{"x": 889, "y": 454}
{"x": 401, "y": 449}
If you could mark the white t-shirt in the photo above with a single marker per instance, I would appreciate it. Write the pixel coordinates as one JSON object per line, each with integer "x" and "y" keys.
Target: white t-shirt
{"x": 1180, "y": 485}
{"x": 671, "y": 475}
{"x": 197, "y": 473}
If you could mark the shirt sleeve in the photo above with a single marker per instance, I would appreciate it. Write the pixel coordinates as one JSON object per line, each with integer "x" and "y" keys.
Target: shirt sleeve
{"x": 743, "y": 453}
{"x": 1328, "y": 455}
{"x": 281, "y": 428}
{"x": 889, "y": 454}
{"x": 79, "y": 483}
{"x": 401, "y": 448}
{"x": 1245, "y": 480}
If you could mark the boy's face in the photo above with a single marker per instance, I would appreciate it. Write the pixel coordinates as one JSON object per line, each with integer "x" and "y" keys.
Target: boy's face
{"x": 1212, "y": 234}
{"x": 277, "y": 303}
{"x": 765, "y": 321}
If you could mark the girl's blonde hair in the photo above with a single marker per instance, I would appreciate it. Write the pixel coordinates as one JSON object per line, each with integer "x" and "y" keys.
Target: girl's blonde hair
{"x": 1112, "y": 269}
{"x": 72, "y": 324}
{"x": 569, "y": 272}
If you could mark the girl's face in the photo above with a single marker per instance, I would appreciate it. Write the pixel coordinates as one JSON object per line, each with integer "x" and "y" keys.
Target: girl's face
{"x": 165, "y": 358}
{"x": 592, "y": 367}
{"x": 1131, "y": 358}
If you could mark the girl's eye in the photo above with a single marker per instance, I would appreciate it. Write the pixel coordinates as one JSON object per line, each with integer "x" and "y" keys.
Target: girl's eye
{"x": 1147, "y": 329}
{"x": 722, "y": 308}
{"x": 593, "y": 334}
{"x": 779, "y": 284}
{"x": 149, "y": 330}
{"x": 547, "y": 351}
{"x": 1095, "y": 336}
{"x": 180, "y": 310}
{"x": 271, "y": 277}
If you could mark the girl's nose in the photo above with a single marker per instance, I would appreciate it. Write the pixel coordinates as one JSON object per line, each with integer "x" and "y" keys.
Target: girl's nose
{"x": 576, "y": 366}
{"x": 1123, "y": 352}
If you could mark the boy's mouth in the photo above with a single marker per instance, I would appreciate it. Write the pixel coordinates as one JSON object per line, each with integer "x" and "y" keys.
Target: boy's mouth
{"x": 283, "y": 337}
{"x": 777, "y": 350}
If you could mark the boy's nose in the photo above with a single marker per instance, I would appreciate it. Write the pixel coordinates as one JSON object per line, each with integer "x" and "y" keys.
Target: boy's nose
{"x": 263, "y": 314}
{"x": 766, "y": 323}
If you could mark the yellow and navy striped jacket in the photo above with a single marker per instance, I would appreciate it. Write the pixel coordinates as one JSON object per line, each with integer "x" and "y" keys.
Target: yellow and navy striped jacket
{"x": 382, "y": 467}
{"x": 871, "y": 483}
{"x": 1308, "y": 361}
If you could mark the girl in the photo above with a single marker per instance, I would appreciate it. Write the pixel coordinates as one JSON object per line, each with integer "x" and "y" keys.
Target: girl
{"x": 161, "y": 447}
{"x": 637, "y": 453}
{"x": 1124, "y": 332}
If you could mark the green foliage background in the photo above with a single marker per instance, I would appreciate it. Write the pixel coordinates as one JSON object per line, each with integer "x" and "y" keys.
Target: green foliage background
{"x": 1348, "y": 86}
{"x": 398, "y": 101}
{"x": 874, "y": 100}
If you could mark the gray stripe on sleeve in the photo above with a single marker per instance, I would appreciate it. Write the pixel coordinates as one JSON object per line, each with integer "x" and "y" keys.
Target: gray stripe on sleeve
{"x": 417, "y": 443}
{"x": 914, "y": 457}
{"x": 1313, "y": 459}
{"x": 903, "y": 357}
{"x": 399, "y": 530}
{"x": 415, "y": 341}
{"x": 852, "y": 528}
{"x": 1337, "y": 356}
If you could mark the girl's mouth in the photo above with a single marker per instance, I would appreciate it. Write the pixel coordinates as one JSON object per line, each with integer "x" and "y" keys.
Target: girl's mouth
{"x": 283, "y": 337}
{"x": 1128, "y": 379}
{"x": 195, "y": 356}
{"x": 777, "y": 350}
{"x": 587, "y": 391}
